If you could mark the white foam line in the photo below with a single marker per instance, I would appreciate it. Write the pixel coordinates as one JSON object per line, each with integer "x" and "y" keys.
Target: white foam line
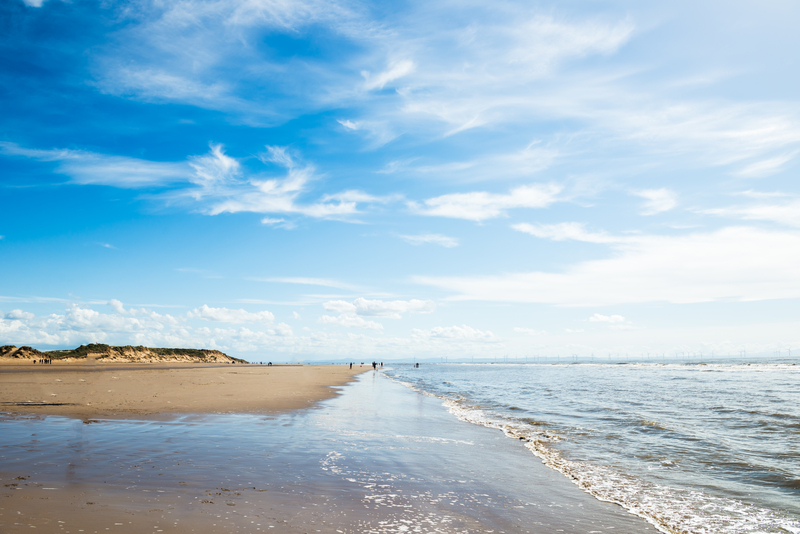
{"x": 608, "y": 486}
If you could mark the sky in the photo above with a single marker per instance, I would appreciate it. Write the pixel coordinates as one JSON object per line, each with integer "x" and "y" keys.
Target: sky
{"x": 311, "y": 180}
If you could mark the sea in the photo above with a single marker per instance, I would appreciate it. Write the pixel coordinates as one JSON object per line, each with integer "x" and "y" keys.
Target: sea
{"x": 690, "y": 447}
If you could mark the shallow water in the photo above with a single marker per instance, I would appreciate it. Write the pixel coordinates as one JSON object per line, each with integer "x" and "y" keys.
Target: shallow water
{"x": 691, "y": 448}
{"x": 378, "y": 458}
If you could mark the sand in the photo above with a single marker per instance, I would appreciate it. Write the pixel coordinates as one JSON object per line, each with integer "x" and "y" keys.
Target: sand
{"x": 89, "y": 390}
{"x": 378, "y": 458}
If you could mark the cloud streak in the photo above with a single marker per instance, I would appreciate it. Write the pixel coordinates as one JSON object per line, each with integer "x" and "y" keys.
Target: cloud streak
{"x": 434, "y": 239}
{"x": 216, "y": 180}
{"x": 735, "y": 263}
{"x": 480, "y": 206}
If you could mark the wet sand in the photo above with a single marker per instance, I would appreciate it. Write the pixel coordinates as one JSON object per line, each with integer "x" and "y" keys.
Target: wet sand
{"x": 153, "y": 390}
{"x": 379, "y": 458}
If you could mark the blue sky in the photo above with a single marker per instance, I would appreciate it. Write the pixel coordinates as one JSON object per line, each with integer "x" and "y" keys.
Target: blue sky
{"x": 310, "y": 180}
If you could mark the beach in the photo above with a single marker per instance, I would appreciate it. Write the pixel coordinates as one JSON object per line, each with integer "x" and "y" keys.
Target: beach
{"x": 97, "y": 390}
{"x": 378, "y": 457}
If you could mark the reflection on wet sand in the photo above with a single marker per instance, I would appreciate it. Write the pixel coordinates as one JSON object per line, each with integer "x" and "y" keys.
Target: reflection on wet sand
{"x": 378, "y": 458}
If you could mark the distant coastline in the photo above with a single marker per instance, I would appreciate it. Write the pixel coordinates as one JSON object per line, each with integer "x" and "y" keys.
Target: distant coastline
{"x": 110, "y": 354}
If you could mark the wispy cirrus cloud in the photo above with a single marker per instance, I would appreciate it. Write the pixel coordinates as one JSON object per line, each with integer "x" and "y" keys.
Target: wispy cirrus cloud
{"x": 274, "y": 195}
{"x": 481, "y": 205}
{"x": 566, "y": 231}
{"x": 689, "y": 268}
{"x": 204, "y": 52}
{"x": 394, "y": 71}
{"x": 90, "y": 168}
{"x": 434, "y": 239}
{"x": 217, "y": 181}
{"x": 657, "y": 200}
{"x": 783, "y": 210}
{"x": 766, "y": 167}
{"x": 309, "y": 281}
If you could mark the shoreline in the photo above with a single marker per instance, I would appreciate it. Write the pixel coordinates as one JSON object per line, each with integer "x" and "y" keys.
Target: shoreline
{"x": 377, "y": 459}
{"x": 143, "y": 390}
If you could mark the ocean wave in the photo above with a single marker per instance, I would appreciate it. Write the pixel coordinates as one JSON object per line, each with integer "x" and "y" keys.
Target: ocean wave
{"x": 669, "y": 509}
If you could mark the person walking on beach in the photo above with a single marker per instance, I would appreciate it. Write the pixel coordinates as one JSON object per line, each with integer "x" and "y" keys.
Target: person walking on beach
{"x": 351, "y": 365}
{"x": 374, "y": 366}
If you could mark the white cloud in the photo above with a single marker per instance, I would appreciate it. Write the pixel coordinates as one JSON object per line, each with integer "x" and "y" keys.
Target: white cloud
{"x": 483, "y": 73}
{"x": 215, "y": 179}
{"x": 153, "y": 83}
{"x": 350, "y": 321}
{"x": 598, "y": 318}
{"x": 278, "y": 223}
{"x": 766, "y": 167}
{"x": 79, "y": 325}
{"x": 118, "y": 307}
{"x": 484, "y": 67}
{"x": 213, "y": 170}
{"x": 280, "y": 195}
{"x": 750, "y": 193}
{"x": 379, "y": 308}
{"x": 19, "y": 315}
{"x": 100, "y": 169}
{"x": 301, "y": 280}
{"x": 283, "y": 330}
{"x": 33, "y": 3}
{"x": 83, "y": 325}
{"x": 340, "y": 306}
{"x": 350, "y": 125}
{"x": 295, "y": 315}
{"x": 436, "y": 239}
{"x": 786, "y": 213}
{"x": 459, "y": 333}
{"x": 563, "y": 231}
{"x": 395, "y": 71}
{"x": 479, "y": 206}
{"x": 226, "y": 315}
{"x": 736, "y": 263}
{"x": 657, "y": 200}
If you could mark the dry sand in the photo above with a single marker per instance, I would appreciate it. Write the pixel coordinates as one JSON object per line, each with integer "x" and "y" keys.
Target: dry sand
{"x": 149, "y": 390}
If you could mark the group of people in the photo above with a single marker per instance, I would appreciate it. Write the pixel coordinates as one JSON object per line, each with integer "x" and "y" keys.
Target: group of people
{"x": 43, "y": 361}
{"x": 374, "y": 365}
